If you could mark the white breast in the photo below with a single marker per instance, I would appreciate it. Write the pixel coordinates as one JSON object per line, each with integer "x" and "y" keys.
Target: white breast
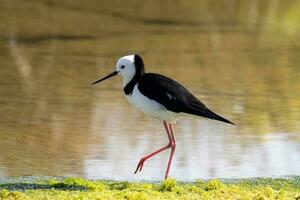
{"x": 149, "y": 106}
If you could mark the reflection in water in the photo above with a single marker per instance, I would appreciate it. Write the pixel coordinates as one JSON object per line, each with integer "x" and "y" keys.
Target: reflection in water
{"x": 241, "y": 59}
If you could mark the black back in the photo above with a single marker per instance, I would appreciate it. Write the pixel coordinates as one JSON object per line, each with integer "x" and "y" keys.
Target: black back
{"x": 140, "y": 71}
{"x": 173, "y": 96}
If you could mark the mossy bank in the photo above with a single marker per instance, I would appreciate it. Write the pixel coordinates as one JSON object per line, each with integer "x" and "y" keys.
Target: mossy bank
{"x": 76, "y": 188}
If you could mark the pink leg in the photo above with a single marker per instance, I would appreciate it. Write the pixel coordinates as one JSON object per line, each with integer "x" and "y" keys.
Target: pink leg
{"x": 141, "y": 163}
{"x": 173, "y": 146}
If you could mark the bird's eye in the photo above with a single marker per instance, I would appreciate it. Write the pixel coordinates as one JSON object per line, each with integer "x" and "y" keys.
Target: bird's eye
{"x": 122, "y": 67}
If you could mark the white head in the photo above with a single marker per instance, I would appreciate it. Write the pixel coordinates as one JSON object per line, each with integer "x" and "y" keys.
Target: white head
{"x": 131, "y": 67}
{"x": 125, "y": 67}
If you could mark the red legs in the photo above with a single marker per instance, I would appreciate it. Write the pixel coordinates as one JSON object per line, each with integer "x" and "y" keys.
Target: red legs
{"x": 170, "y": 132}
{"x": 141, "y": 163}
{"x": 173, "y": 146}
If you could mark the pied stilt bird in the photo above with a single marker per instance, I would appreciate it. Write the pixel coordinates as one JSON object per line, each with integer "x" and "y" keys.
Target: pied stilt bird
{"x": 160, "y": 97}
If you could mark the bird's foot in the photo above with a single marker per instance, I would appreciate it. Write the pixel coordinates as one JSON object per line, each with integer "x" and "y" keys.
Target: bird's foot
{"x": 140, "y": 165}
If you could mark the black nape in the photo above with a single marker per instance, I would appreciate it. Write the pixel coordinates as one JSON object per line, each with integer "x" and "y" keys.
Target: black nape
{"x": 139, "y": 72}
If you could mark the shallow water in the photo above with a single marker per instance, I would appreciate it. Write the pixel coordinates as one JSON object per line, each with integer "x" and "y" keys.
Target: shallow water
{"x": 241, "y": 59}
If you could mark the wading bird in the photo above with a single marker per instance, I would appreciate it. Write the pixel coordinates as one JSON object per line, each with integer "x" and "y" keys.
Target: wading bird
{"x": 160, "y": 97}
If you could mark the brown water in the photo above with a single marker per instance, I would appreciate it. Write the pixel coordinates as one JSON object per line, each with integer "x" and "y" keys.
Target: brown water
{"x": 241, "y": 58}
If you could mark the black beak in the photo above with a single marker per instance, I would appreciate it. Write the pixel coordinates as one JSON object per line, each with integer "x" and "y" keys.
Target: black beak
{"x": 106, "y": 77}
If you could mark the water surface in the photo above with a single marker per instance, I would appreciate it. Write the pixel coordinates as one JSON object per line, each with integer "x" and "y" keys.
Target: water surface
{"x": 241, "y": 59}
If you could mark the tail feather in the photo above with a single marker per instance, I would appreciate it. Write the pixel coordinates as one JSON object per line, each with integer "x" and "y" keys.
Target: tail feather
{"x": 196, "y": 107}
{"x": 209, "y": 114}
{"x": 212, "y": 115}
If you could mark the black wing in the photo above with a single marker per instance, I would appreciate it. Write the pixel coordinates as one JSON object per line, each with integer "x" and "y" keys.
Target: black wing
{"x": 174, "y": 96}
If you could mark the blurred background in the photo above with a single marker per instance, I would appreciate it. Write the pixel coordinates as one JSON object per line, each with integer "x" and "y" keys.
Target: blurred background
{"x": 241, "y": 58}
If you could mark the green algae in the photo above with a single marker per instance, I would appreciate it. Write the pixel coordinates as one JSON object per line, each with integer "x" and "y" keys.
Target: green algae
{"x": 78, "y": 188}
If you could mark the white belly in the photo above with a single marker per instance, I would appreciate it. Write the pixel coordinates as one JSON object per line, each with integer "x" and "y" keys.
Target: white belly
{"x": 150, "y": 107}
